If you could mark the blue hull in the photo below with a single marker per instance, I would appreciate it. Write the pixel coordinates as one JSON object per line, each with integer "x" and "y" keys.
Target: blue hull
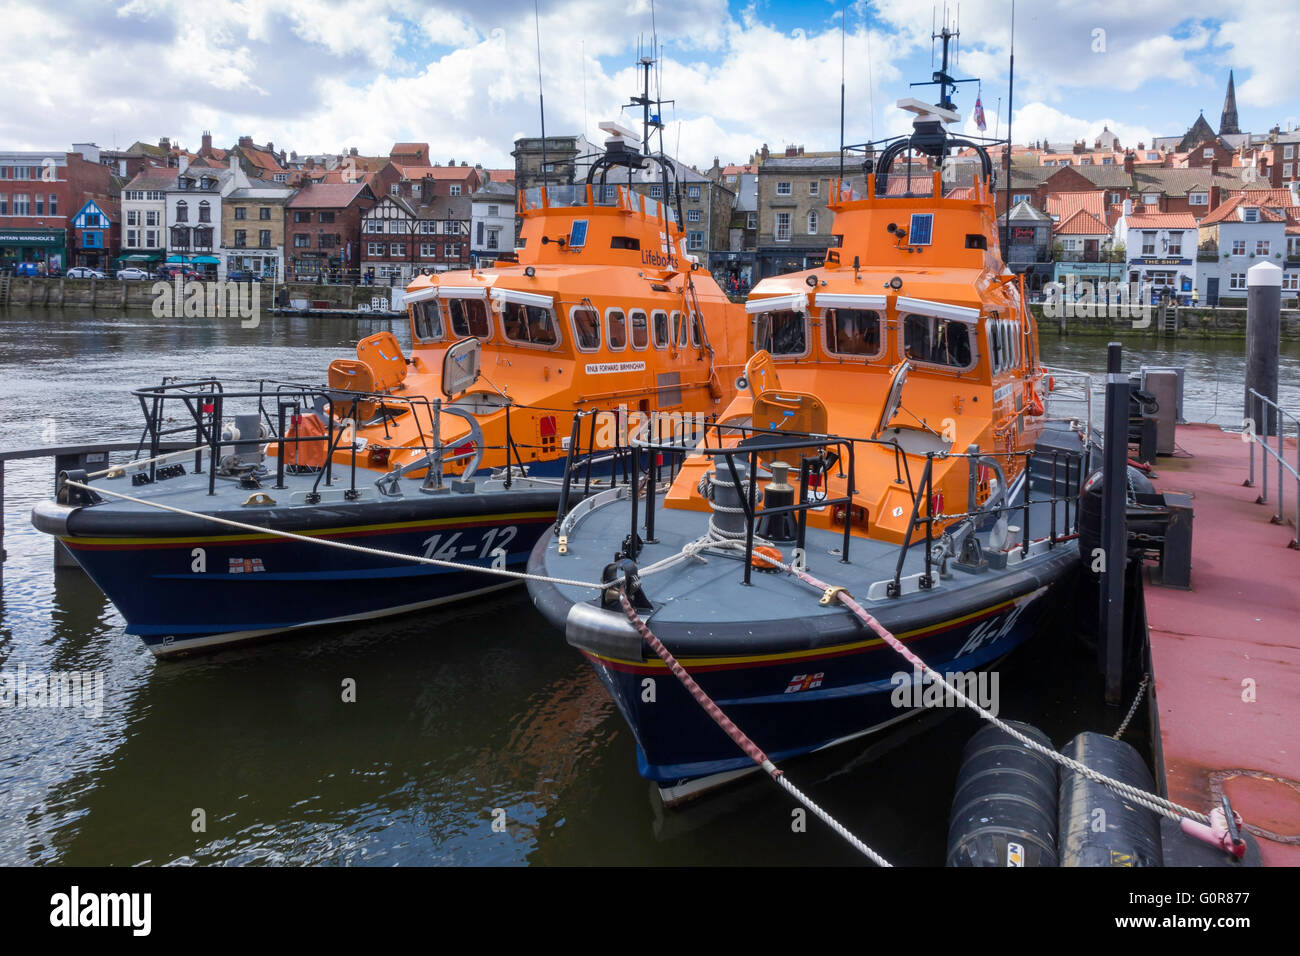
{"x": 803, "y": 702}
{"x": 193, "y": 593}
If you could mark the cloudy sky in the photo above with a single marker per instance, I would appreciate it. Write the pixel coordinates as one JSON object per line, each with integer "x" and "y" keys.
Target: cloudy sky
{"x": 462, "y": 75}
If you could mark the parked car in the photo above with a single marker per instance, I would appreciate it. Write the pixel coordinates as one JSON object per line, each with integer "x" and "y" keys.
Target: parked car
{"x": 240, "y": 275}
{"x": 84, "y": 272}
{"x": 170, "y": 272}
{"x": 131, "y": 272}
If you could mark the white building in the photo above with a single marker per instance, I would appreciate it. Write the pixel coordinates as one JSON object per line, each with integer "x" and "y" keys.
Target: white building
{"x": 194, "y": 219}
{"x": 1245, "y": 231}
{"x": 1160, "y": 249}
{"x": 492, "y": 220}
{"x": 144, "y": 218}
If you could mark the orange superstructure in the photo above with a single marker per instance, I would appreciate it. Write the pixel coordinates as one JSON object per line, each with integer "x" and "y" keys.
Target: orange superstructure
{"x": 911, "y": 334}
{"x": 604, "y": 309}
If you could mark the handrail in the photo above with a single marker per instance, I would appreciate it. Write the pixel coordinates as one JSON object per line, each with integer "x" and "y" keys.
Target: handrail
{"x": 1258, "y": 428}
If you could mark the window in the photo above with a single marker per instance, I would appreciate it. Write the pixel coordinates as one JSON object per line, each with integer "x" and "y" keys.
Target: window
{"x": 205, "y": 211}
{"x": 927, "y": 338}
{"x": 151, "y": 218}
{"x": 1288, "y": 152}
{"x": 1020, "y": 197}
{"x": 660, "y": 321}
{"x": 132, "y": 238}
{"x": 1250, "y": 214}
{"x": 1175, "y": 244}
{"x": 529, "y": 325}
{"x": 469, "y": 317}
{"x": 327, "y": 242}
{"x": 241, "y": 212}
{"x": 679, "y": 330}
{"x": 241, "y": 238}
{"x": 40, "y": 205}
{"x": 782, "y": 227}
{"x": 428, "y": 250}
{"x": 693, "y": 192}
{"x": 616, "y": 330}
{"x": 54, "y": 204}
{"x": 264, "y": 212}
{"x": 1291, "y": 281}
{"x": 1237, "y": 281}
{"x": 1198, "y": 199}
{"x": 656, "y": 191}
{"x": 264, "y": 238}
{"x": 1148, "y": 243}
{"x": 302, "y": 241}
{"x": 695, "y": 240}
{"x": 132, "y": 217}
{"x": 640, "y": 331}
{"x": 1208, "y": 152}
{"x": 182, "y": 211}
{"x": 427, "y": 320}
{"x": 586, "y": 328}
{"x": 783, "y": 189}
{"x": 374, "y": 249}
{"x": 694, "y": 215}
{"x": 1286, "y": 170}
{"x": 326, "y": 217}
{"x": 813, "y": 187}
{"x": 152, "y": 240}
{"x": 1261, "y": 247}
{"x": 301, "y": 216}
{"x": 397, "y": 248}
{"x": 697, "y": 334}
{"x": 455, "y": 189}
{"x": 781, "y": 333}
{"x": 812, "y": 223}
{"x": 395, "y": 189}
{"x": 751, "y": 220}
{"x": 1116, "y": 198}
{"x": 1239, "y": 247}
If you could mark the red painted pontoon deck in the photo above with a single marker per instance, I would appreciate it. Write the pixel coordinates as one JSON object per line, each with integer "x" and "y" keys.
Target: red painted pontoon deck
{"x": 1240, "y": 623}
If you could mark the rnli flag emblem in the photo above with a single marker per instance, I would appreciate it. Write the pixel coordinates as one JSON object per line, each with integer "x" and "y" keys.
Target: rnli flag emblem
{"x": 804, "y": 682}
{"x": 245, "y": 565}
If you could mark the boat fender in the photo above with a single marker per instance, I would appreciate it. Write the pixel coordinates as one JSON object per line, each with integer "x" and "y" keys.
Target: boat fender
{"x": 1090, "y": 531}
{"x": 622, "y": 575}
{"x": 1005, "y": 804}
{"x": 1098, "y": 827}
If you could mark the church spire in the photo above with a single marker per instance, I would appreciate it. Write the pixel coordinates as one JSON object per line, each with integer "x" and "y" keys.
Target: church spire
{"x": 1228, "y": 122}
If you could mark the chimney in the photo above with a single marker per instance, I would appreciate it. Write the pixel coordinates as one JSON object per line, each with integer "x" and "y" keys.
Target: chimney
{"x": 352, "y": 151}
{"x": 1128, "y": 162}
{"x": 207, "y": 143}
{"x": 165, "y": 144}
{"x": 1078, "y": 148}
{"x": 765, "y": 154}
{"x": 1214, "y": 166}
{"x": 791, "y": 151}
{"x": 1215, "y": 195}
{"x": 184, "y": 163}
{"x": 270, "y": 147}
{"x": 1128, "y": 208}
{"x": 1294, "y": 187}
{"x": 246, "y": 141}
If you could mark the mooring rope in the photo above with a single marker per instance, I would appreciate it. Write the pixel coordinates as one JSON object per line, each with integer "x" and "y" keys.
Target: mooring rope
{"x": 738, "y": 736}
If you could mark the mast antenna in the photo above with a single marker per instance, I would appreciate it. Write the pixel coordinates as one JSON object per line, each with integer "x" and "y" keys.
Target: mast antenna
{"x": 541, "y": 101}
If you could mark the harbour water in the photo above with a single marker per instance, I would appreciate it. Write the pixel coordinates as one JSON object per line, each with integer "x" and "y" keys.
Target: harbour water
{"x": 463, "y": 717}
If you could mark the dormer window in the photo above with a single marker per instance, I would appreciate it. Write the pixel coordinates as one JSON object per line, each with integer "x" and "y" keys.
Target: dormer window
{"x": 1250, "y": 214}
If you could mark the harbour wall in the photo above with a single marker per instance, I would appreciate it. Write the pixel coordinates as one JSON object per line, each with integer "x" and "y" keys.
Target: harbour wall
{"x": 58, "y": 293}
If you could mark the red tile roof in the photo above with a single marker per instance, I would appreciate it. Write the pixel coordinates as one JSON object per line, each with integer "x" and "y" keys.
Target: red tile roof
{"x": 1163, "y": 220}
{"x": 1082, "y": 223}
{"x": 1227, "y": 210}
{"x": 437, "y": 172}
{"x": 336, "y": 195}
{"x": 1065, "y": 204}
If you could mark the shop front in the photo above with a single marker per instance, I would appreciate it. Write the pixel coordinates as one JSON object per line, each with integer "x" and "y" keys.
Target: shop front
{"x": 46, "y": 247}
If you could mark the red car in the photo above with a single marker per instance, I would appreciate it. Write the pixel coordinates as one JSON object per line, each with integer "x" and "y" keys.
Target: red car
{"x": 171, "y": 271}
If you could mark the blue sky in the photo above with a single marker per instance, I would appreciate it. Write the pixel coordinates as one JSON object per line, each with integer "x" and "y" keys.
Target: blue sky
{"x": 323, "y": 75}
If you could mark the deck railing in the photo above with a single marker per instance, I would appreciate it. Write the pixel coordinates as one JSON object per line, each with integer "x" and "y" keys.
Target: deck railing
{"x": 1267, "y": 417}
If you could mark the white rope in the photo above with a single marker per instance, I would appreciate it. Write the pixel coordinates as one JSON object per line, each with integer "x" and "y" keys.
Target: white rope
{"x": 359, "y": 549}
{"x": 830, "y": 821}
{"x": 141, "y": 462}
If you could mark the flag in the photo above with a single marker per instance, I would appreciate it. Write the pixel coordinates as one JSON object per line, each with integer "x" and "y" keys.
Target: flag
{"x": 979, "y": 115}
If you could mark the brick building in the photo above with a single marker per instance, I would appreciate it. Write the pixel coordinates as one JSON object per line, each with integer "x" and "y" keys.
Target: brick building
{"x": 40, "y": 192}
{"x": 323, "y": 231}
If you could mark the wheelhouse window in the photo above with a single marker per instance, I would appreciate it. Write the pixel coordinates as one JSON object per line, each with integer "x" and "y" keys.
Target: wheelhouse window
{"x": 640, "y": 330}
{"x": 936, "y": 341}
{"x": 469, "y": 317}
{"x": 853, "y": 332}
{"x": 679, "y": 330}
{"x": 617, "y": 330}
{"x": 781, "y": 333}
{"x": 529, "y": 325}
{"x": 697, "y": 334}
{"x": 427, "y": 320}
{"x": 586, "y": 328}
{"x": 661, "y": 329}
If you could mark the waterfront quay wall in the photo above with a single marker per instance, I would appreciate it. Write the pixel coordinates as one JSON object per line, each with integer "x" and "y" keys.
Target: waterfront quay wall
{"x": 1223, "y": 322}
{"x": 59, "y": 293}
